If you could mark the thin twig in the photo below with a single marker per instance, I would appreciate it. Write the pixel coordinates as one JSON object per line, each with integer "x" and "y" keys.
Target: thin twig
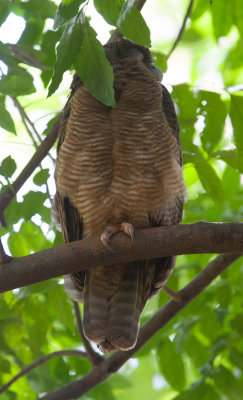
{"x": 94, "y": 357}
{"x": 27, "y": 122}
{"x": 112, "y": 364}
{"x": 40, "y": 154}
{"x": 23, "y": 372}
{"x": 27, "y": 58}
{"x": 188, "y": 11}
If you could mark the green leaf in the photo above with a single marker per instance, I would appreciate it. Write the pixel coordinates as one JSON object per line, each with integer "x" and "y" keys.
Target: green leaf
{"x": 226, "y": 382}
{"x": 29, "y": 238}
{"x": 109, "y": 9}
{"x": 5, "y": 8}
{"x": 41, "y": 177}
{"x": 230, "y": 182}
{"x": 6, "y": 121}
{"x": 66, "y": 10}
{"x": 173, "y": 372}
{"x": 57, "y": 300}
{"x": 238, "y": 14}
{"x": 132, "y": 24}
{"x": 8, "y": 167}
{"x": 236, "y": 115}
{"x": 221, "y": 11}
{"x": 232, "y": 158}
{"x": 187, "y": 102}
{"x": 199, "y": 390}
{"x": 32, "y": 32}
{"x": 94, "y": 69}
{"x": 214, "y": 110}
{"x": 236, "y": 358}
{"x": 18, "y": 82}
{"x": 237, "y": 323}
{"x": 67, "y": 50}
{"x": 210, "y": 181}
{"x": 160, "y": 60}
{"x": 32, "y": 204}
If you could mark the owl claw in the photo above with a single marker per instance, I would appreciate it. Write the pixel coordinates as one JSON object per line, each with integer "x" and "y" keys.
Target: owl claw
{"x": 105, "y": 243}
{"x": 125, "y": 227}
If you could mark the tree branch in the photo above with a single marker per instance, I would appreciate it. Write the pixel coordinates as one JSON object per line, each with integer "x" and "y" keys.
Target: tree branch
{"x": 94, "y": 357}
{"x": 39, "y": 155}
{"x": 188, "y": 11}
{"x": 198, "y": 238}
{"x": 3, "y": 256}
{"x": 26, "y": 58}
{"x": 76, "y": 353}
{"x": 111, "y": 364}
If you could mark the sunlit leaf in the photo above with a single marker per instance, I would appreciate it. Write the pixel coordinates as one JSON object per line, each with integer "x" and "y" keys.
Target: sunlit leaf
{"x": 237, "y": 11}
{"x": 221, "y": 11}
{"x": 236, "y": 115}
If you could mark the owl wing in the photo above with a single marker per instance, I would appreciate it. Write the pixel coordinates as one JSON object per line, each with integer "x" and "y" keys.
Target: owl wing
{"x": 160, "y": 269}
{"x": 67, "y": 214}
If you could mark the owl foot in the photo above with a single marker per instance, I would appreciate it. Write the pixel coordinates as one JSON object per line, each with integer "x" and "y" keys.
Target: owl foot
{"x": 125, "y": 227}
{"x": 176, "y": 296}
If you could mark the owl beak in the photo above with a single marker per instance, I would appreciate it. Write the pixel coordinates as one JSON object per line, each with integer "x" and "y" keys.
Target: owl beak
{"x": 158, "y": 73}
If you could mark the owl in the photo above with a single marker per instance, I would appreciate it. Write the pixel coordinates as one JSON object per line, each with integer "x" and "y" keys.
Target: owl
{"x": 119, "y": 169}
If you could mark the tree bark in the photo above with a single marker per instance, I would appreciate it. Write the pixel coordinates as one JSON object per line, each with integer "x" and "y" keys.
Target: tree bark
{"x": 198, "y": 238}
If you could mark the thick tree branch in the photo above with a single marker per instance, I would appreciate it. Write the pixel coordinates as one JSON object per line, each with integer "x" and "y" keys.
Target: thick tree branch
{"x": 111, "y": 364}
{"x": 198, "y": 238}
{"x": 40, "y": 154}
{"x": 94, "y": 357}
{"x": 23, "y": 372}
{"x": 188, "y": 12}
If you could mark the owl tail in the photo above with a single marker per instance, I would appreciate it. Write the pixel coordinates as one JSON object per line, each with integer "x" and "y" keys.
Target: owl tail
{"x": 113, "y": 300}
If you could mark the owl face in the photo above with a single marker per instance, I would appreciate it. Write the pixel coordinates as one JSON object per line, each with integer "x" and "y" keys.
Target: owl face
{"x": 126, "y": 52}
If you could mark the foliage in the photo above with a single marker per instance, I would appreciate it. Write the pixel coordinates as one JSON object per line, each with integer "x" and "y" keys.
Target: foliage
{"x": 199, "y": 354}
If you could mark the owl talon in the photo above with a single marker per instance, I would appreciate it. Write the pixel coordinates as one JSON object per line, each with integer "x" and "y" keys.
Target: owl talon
{"x": 105, "y": 243}
{"x": 128, "y": 229}
{"x": 125, "y": 227}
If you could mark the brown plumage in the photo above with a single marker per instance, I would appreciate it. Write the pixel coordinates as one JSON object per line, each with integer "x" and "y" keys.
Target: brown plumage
{"x": 119, "y": 165}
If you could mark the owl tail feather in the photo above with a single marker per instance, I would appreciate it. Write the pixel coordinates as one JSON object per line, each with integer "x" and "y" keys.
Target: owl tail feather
{"x": 112, "y": 306}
